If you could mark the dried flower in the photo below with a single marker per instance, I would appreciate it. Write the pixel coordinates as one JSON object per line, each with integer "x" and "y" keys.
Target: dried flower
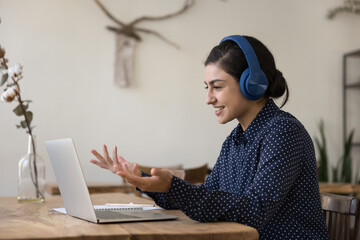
{"x": 10, "y": 93}
{"x": 15, "y": 70}
{"x": 11, "y": 77}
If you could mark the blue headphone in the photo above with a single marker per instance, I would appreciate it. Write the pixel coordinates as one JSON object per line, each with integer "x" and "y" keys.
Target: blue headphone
{"x": 253, "y": 81}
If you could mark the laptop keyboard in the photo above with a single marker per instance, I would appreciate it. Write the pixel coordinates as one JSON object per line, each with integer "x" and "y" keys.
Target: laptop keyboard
{"x": 101, "y": 214}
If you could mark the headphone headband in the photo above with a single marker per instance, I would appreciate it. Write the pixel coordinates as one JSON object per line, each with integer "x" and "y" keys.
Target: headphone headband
{"x": 247, "y": 49}
{"x": 253, "y": 81}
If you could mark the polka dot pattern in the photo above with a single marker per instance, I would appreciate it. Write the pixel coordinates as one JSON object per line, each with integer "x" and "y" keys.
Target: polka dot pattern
{"x": 265, "y": 177}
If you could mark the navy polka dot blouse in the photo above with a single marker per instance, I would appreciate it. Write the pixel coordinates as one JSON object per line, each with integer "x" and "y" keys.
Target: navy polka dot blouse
{"x": 265, "y": 177}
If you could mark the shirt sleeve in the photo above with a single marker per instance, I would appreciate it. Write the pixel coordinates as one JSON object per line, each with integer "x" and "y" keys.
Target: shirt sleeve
{"x": 278, "y": 168}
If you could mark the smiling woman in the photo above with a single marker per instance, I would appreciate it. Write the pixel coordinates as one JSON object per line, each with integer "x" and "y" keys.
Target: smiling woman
{"x": 265, "y": 176}
{"x": 223, "y": 92}
{"x": 241, "y": 85}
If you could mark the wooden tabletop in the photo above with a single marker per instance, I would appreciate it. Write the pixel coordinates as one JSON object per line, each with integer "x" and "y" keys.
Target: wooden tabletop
{"x": 340, "y": 188}
{"x": 39, "y": 221}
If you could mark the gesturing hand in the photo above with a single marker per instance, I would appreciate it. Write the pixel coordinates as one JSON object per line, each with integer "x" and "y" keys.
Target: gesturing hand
{"x": 107, "y": 162}
{"x": 159, "y": 181}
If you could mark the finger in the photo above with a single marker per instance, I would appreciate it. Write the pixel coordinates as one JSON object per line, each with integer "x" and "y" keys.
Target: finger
{"x": 121, "y": 159}
{"x": 155, "y": 171}
{"x": 98, "y": 155}
{"x": 117, "y": 167}
{"x": 132, "y": 179}
{"x": 98, "y": 163}
{"x": 135, "y": 169}
{"x": 108, "y": 160}
{"x": 100, "y": 159}
{"x": 120, "y": 169}
{"x": 125, "y": 166}
{"x": 115, "y": 156}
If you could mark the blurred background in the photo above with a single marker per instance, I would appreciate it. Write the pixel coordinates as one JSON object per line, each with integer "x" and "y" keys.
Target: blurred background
{"x": 162, "y": 119}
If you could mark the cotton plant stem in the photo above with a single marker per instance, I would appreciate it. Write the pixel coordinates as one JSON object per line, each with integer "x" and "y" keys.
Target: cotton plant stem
{"x": 34, "y": 180}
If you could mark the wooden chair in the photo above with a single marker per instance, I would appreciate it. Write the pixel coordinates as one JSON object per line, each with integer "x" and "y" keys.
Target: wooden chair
{"x": 197, "y": 175}
{"x": 339, "y": 211}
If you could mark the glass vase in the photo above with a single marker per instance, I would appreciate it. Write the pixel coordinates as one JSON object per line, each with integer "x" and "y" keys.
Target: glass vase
{"x": 31, "y": 179}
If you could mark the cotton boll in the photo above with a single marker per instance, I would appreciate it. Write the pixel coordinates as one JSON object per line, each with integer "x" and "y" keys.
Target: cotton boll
{"x": 10, "y": 94}
{"x": 15, "y": 70}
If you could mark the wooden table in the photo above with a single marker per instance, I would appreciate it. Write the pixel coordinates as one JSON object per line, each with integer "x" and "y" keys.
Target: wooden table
{"x": 340, "y": 188}
{"x": 39, "y": 221}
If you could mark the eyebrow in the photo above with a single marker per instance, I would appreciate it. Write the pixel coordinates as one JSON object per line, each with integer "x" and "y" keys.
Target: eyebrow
{"x": 214, "y": 81}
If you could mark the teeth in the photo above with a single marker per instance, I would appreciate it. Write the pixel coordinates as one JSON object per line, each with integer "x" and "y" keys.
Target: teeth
{"x": 218, "y": 108}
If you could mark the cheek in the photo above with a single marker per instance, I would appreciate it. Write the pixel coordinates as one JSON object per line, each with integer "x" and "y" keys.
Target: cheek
{"x": 237, "y": 103}
{"x": 235, "y": 96}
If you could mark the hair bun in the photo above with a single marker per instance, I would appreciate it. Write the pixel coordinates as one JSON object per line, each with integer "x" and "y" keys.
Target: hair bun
{"x": 278, "y": 85}
{"x": 278, "y": 75}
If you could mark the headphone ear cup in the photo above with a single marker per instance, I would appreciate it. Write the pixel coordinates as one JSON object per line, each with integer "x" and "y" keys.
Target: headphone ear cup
{"x": 243, "y": 83}
{"x": 256, "y": 85}
{"x": 253, "y": 86}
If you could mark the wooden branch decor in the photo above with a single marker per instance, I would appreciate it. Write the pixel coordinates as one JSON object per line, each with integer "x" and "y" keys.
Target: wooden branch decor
{"x": 127, "y": 35}
{"x": 349, "y": 6}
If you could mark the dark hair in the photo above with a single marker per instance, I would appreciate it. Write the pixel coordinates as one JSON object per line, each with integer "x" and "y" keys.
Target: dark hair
{"x": 231, "y": 59}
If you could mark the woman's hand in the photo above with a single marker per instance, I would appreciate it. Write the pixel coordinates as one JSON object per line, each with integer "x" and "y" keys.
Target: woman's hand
{"x": 107, "y": 162}
{"x": 159, "y": 181}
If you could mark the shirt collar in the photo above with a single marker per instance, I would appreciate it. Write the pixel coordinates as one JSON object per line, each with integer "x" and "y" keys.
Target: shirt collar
{"x": 267, "y": 112}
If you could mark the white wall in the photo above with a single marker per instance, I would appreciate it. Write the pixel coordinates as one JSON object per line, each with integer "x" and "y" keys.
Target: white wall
{"x": 68, "y": 74}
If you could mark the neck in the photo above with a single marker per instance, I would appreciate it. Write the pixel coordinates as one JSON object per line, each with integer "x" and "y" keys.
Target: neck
{"x": 253, "y": 111}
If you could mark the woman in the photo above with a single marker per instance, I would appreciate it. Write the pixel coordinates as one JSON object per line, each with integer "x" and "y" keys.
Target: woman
{"x": 265, "y": 176}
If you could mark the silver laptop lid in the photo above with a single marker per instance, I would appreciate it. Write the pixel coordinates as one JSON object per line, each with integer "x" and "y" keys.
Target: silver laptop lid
{"x": 70, "y": 179}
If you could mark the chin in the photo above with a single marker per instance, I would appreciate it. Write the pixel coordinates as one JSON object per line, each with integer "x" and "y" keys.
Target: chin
{"x": 223, "y": 121}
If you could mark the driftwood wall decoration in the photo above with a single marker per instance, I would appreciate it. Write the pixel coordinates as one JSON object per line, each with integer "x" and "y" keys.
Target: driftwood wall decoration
{"x": 127, "y": 35}
{"x": 349, "y": 6}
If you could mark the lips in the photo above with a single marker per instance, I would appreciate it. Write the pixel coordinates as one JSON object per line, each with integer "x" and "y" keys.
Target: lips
{"x": 218, "y": 110}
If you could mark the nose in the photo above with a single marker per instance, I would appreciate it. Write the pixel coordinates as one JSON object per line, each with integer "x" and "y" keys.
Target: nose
{"x": 210, "y": 98}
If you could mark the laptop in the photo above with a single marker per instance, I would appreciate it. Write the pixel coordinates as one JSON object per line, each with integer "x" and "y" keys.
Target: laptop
{"x": 75, "y": 194}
